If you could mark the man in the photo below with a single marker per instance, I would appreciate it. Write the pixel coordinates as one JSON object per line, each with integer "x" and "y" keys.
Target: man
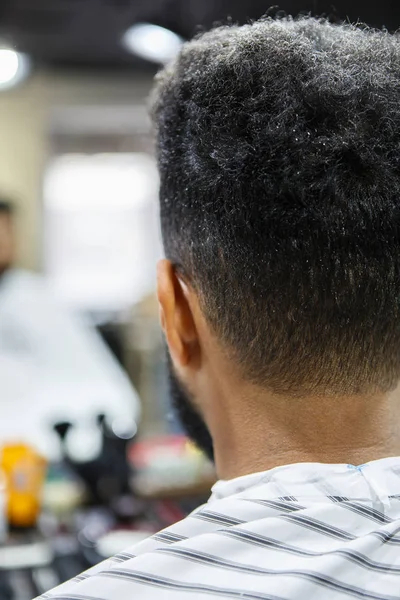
{"x": 52, "y": 365}
{"x": 278, "y": 149}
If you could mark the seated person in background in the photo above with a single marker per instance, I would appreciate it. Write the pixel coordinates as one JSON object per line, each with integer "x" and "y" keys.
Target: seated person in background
{"x": 279, "y": 155}
{"x": 52, "y": 365}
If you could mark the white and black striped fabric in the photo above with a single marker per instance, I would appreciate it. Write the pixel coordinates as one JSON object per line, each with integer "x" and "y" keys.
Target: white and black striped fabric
{"x": 299, "y": 532}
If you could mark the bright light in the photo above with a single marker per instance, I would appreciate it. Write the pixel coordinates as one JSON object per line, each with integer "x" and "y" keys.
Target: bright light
{"x": 9, "y": 63}
{"x": 152, "y": 42}
{"x": 13, "y": 67}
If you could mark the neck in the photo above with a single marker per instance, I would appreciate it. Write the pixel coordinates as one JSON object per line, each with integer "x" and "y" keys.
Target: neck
{"x": 256, "y": 432}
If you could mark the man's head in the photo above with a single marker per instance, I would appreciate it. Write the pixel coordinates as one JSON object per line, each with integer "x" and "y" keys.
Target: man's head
{"x": 6, "y": 235}
{"x": 279, "y": 156}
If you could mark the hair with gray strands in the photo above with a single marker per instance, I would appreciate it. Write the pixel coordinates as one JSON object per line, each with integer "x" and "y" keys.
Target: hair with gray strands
{"x": 279, "y": 155}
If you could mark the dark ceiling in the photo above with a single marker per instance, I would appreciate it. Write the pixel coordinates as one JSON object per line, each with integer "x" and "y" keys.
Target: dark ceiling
{"x": 87, "y": 33}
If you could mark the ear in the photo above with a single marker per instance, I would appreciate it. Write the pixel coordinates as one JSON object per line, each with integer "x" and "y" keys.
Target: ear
{"x": 177, "y": 319}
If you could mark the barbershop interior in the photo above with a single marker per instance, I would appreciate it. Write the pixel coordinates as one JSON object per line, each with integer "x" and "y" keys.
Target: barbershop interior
{"x": 93, "y": 457}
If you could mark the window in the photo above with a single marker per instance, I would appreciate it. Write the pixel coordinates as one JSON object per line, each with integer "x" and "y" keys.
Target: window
{"x": 101, "y": 232}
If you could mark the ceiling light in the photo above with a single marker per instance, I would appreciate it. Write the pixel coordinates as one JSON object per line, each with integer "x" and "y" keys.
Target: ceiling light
{"x": 152, "y": 42}
{"x": 14, "y": 67}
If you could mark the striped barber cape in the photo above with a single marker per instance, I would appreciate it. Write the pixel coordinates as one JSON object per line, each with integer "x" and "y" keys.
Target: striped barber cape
{"x": 298, "y": 532}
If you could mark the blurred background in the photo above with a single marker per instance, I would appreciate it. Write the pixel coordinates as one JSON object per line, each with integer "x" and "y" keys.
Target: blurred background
{"x": 92, "y": 458}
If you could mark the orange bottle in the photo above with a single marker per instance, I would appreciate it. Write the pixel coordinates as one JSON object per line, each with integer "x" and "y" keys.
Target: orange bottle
{"x": 25, "y": 472}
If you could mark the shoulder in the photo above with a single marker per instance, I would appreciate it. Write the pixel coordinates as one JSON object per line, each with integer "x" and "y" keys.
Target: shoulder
{"x": 20, "y": 279}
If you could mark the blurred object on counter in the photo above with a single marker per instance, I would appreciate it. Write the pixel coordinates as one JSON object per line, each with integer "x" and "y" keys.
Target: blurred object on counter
{"x": 106, "y": 474}
{"x": 170, "y": 467}
{"x": 25, "y": 472}
{"x": 63, "y": 492}
{"x": 53, "y": 366}
{"x": 26, "y": 566}
{"x": 6, "y": 589}
{"x": 3, "y": 507}
{"x": 25, "y": 552}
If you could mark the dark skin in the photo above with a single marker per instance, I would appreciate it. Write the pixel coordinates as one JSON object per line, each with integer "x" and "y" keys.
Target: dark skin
{"x": 252, "y": 429}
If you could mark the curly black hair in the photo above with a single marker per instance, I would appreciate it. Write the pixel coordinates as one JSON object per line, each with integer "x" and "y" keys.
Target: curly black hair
{"x": 279, "y": 156}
